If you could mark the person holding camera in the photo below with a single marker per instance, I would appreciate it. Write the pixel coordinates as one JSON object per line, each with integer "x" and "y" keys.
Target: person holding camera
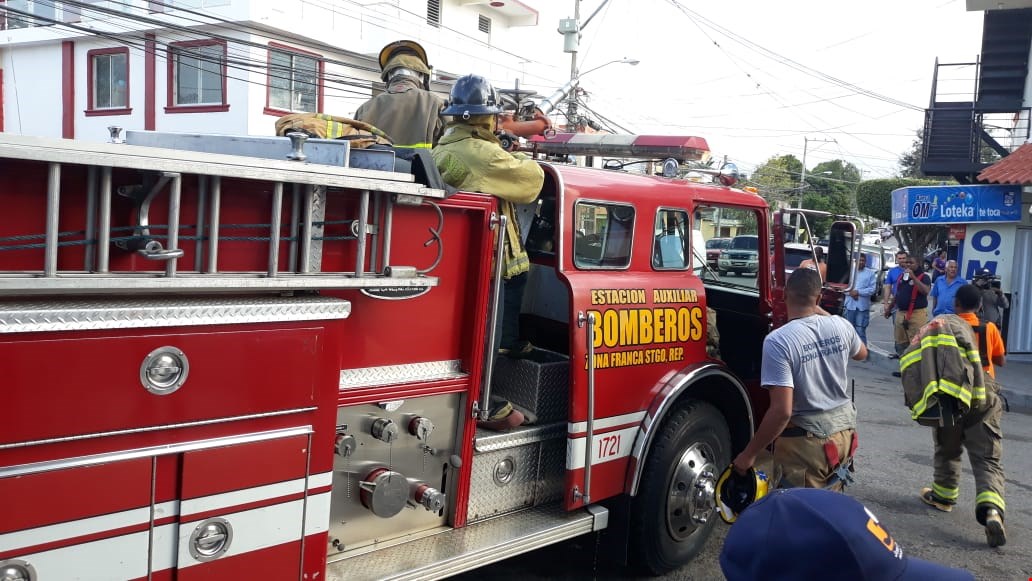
{"x": 994, "y": 302}
{"x": 911, "y": 294}
{"x": 889, "y": 284}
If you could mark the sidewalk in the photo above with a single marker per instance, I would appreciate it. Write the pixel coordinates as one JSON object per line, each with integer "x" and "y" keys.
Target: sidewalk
{"x": 1015, "y": 377}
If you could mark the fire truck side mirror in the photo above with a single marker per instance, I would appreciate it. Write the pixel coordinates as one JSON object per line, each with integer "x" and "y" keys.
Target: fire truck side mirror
{"x": 729, "y": 174}
{"x": 840, "y": 253}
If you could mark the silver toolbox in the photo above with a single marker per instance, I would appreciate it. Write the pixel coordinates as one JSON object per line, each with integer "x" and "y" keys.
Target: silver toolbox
{"x": 517, "y": 469}
{"x": 538, "y": 383}
{"x": 336, "y": 152}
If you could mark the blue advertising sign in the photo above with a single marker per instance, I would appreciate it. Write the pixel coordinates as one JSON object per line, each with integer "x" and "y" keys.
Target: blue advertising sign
{"x": 956, "y": 204}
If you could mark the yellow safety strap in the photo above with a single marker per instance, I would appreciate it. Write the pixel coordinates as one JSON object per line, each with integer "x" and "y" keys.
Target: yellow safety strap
{"x": 516, "y": 259}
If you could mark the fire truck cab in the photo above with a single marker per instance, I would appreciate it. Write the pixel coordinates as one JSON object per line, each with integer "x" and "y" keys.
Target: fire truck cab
{"x": 233, "y": 358}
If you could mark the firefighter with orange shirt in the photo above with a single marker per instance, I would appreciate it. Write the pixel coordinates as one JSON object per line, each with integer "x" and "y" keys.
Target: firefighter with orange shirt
{"x": 979, "y": 432}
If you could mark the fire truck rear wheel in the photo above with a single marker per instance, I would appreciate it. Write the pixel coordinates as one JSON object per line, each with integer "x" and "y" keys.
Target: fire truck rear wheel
{"x": 673, "y": 512}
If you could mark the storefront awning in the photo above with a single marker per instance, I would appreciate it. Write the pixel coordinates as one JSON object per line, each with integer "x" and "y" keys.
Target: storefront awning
{"x": 1016, "y": 168}
{"x": 969, "y": 204}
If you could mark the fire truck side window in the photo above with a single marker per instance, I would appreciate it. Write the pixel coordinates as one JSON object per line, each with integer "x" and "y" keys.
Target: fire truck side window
{"x": 603, "y": 235}
{"x": 732, "y": 256}
{"x": 670, "y": 242}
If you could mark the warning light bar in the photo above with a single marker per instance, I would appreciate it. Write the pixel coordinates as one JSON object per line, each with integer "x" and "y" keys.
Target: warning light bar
{"x": 681, "y": 148}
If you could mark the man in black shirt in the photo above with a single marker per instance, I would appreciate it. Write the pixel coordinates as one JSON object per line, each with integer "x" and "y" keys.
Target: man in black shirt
{"x": 911, "y": 293}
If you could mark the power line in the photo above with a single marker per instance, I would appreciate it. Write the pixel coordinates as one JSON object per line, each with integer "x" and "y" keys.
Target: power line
{"x": 791, "y": 63}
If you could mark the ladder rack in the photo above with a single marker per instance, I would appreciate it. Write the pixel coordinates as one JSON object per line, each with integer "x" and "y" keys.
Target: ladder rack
{"x": 302, "y": 189}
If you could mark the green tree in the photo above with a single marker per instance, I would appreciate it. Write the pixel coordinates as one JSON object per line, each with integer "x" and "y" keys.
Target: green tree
{"x": 910, "y": 160}
{"x": 778, "y": 179}
{"x": 830, "y": 187}
{"x": 874, "y": 198}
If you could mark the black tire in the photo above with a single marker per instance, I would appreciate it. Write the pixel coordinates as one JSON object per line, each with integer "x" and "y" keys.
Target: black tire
{"x": 664, "y": 535}
{"x": 723, "y": 273}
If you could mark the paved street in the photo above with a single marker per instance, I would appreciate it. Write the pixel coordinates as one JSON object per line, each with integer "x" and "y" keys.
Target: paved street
{"x": 893, "y": 463}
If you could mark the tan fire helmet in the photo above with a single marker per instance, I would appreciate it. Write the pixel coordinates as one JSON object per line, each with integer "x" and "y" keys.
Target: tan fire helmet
{"x": 406, "y": 54}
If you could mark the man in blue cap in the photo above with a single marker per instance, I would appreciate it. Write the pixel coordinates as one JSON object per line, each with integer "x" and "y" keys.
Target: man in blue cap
{"x": 812, "y": 533}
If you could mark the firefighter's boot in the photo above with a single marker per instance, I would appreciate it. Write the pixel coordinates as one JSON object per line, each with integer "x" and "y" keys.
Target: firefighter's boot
{"x": 995, "y": 534}
{"x": 937, "y": 502}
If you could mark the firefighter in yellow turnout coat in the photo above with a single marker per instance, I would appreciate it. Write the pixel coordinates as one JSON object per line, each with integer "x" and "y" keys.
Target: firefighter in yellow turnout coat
{"x": 978, "y": 429}
{"x": 470, "y": 157}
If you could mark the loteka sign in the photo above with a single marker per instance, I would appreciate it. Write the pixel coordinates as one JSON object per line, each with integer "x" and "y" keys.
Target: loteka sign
{"x": 956, "y": 204}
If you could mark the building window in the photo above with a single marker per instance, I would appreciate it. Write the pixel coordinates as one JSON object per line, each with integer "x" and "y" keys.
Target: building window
{"x": 484, "y": 24}
{"x": 87, "y": 10}
{"x": 197, "y": 76}
{"x": 294, "y": 81}
{"x": 433, "y": 13}
{"x": 108, "y": 81}
{"x": 172, "y": 4}
{"x": 45, "y": 10}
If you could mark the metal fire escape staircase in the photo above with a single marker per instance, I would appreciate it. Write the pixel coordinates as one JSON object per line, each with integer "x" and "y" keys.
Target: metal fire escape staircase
{"x": 167, "y": 163}
{"x": 976, "y": 114}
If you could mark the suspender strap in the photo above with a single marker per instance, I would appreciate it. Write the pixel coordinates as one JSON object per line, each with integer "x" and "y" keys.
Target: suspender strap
{"x": 983, "y": 345}
{"x": 913, "y": 295}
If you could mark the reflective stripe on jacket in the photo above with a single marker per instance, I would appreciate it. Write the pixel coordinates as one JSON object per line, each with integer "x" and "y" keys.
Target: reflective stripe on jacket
{"x": 942, "y": 359}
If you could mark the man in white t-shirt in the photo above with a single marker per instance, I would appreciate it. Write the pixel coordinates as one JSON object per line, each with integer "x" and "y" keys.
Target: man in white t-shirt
{"x": 811, "y": 415}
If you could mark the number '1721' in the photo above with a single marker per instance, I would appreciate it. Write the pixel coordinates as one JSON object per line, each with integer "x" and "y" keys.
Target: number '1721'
{"x": 608, "y": 446}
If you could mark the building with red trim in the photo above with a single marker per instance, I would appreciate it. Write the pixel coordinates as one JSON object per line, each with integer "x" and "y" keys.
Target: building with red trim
{"x": 71, "y": 68}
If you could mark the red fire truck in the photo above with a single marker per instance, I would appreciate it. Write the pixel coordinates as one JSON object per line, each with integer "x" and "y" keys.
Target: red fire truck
{"x": 237, "y": 358}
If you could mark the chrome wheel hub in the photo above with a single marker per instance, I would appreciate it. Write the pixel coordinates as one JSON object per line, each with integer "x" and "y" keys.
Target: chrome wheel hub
{"x": 692, "y": 492}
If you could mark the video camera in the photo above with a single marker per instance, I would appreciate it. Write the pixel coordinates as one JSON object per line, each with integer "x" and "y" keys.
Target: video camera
{"x": 986, "y": 279}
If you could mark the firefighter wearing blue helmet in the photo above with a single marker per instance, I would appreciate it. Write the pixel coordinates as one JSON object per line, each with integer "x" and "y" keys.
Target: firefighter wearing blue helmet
{"x": 470, "y": 157}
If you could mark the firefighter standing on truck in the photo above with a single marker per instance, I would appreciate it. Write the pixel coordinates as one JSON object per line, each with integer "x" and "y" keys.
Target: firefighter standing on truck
{"x": 407, "y": 111}
{"x": 978, "y": 431}
{"x": 811, "y": 415}
{"x": 471, "y": 158}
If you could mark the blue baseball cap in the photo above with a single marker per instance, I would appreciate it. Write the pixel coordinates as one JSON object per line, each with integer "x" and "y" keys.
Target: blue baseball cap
{"x": 809, "y": 533}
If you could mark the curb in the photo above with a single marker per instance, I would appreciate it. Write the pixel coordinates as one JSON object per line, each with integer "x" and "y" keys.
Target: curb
{"x": 1018, "y": 402}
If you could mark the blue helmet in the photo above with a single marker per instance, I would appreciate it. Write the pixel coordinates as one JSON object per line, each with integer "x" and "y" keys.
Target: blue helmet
{"x": 472, "y": 95}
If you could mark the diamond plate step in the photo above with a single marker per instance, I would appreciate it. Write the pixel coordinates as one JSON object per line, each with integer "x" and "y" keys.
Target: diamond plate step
{"x": 457, "y": 550}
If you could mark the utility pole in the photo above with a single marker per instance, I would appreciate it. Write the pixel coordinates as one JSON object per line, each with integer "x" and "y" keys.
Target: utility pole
{"x": 802, "y": 180}
{"x": 572, "y": 106}
{"x": 856, "y": 190}
{"x": 570, "y": 28}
